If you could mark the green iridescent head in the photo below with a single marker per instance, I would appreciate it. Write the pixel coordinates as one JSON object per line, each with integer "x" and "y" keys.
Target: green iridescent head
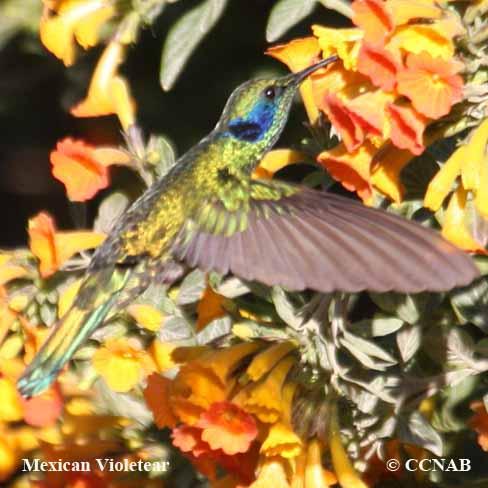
{"x": 257, "y": 110}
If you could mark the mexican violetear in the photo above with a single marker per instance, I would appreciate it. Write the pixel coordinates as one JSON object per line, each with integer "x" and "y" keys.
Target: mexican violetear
{"x": 208, "y": 212}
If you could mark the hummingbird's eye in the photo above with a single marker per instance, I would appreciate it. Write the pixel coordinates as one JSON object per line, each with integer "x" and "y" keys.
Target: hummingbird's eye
{"x": 270, "y": 92}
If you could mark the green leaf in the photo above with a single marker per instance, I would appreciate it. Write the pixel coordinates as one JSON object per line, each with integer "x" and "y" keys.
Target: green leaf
{"x": 417, "y": 430}
{"x": 285, "y": 14}
{"x": 408, "y": 307}
{"x": 110, "y": 210}
{"x": 379, "y": 326}
{"x": 409, "y": 339}
{"x": 471, "y": 303}
{"x": 460, "y": 348}
{"x": 192, "y": 288}
{"x": 285, "y": 309}
{"x": 175, "y": 329}
{"x": 215, "y": 329}
{"x": 160, "y": 154}
{"x": 184, "y": 36}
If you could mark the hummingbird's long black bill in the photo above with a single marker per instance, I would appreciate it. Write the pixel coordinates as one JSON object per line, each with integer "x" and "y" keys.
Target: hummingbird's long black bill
{"x": 297, "y": 78}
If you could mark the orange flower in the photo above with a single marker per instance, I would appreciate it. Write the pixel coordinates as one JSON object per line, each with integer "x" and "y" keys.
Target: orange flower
{"x": 406, "y": 128}
{"x": 53, "y": 248}
{"x": 374, "y": 18}
{"x": 189, "y": 439}
{"x": 351, "y": 169}
{"x": 45, "y": 408}
{"x": 381, "y": 66}
{"x": 479, "y": 423}
{"x": 75, "y": 165}
{"x": 209, "y": 307}
{"x": 351, "y": 132}
{"x": 108, "y": 92}
{"x": 432, "y": 84}
{"x": 225, "y": 426}
{"x": 156, "y": 395}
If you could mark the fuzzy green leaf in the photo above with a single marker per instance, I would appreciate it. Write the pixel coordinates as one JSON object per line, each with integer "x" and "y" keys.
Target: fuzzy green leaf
{"x": 409, "y": 339}
{"x": 471, "y": 303}
{"x": 192, "y": 288}
{"x": 184, "y": 36}
{"x": 285, "y": 14}
{"x": 417, "y": 430}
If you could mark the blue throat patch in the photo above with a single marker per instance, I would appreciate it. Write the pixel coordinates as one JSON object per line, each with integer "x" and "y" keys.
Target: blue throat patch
{"x": 253, "y": 127}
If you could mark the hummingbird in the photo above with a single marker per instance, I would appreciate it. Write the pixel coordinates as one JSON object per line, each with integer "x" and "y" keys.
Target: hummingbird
{"x": 209, "y": 213}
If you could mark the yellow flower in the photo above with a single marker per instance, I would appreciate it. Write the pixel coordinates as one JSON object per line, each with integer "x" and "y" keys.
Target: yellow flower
{"x": 122, "y": 365}
{"x": 161, "y": 354}
{"x": 263, "y": 362}
{"x": 281, "y": 441}
{"x": 10, "y": 407}
{"x": 9, "y": 269}
{"x": 386, "y": 167}
{"x": 222, "y": 362}
{"x": 272, "y": 472}
{"x": 343, "y": 42}
{"x": 108, "y": 92}
{"x": 146, "y": 315}
{"x": 9, "y": 458}
{"x": 418, "y": 38}
{"x": 74, "y": 20}
{"x": 468, "y": 162}
{"x": 275, "y": 160}
{"x": 343, "y": 468}
{"x": 265, "y": 398}
{"x": 454, "y": 227}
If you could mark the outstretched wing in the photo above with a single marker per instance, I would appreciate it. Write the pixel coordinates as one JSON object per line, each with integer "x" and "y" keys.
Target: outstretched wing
{"x": 298, "y": 238}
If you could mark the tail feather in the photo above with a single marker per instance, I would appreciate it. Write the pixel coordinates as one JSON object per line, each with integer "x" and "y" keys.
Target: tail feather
{"x": 98, "y": 294}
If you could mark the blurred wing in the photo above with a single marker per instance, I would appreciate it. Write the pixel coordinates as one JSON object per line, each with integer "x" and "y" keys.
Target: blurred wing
{"x": 300, "y": 238}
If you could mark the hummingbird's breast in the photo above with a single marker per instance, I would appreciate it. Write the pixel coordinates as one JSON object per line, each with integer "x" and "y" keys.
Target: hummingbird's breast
{"x": 151, "y": 224}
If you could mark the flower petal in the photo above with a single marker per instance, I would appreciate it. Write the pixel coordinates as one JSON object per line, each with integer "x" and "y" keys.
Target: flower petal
{"x": 351, "y": 169}
{"x": 406, "y": 128}
{"x": 441, "y": 184}
{"x": 374, "y": 18}
{"x": 454, "y": 228}
{"x": 75, "y": 165}
{"x": 379, "y": 65}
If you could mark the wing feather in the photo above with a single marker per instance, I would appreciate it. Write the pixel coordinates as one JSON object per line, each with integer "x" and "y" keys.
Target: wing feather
{"x": 318, "y": 240}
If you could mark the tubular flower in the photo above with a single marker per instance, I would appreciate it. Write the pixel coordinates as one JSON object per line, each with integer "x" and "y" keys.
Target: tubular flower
{"x": 54, "y": 248}
{"x": 432, "y": 84}
{"x": 352, "y": 169}
{"x": 468, "y": 162}
{"x": 225, "y": 426}
{"x": 75, "y": 164}
{"x": 121, "y": 364}
{"x": 108, "y": 92}
{"x": 72, "y": 21}
{"x": 395, "y": 75}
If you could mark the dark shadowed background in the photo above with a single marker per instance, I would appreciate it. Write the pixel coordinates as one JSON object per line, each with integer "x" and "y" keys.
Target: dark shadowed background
{"x": 36, "y": 92}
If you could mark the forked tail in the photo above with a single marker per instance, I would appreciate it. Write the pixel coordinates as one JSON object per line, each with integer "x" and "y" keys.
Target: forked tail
{"x": 97, "y": 295}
